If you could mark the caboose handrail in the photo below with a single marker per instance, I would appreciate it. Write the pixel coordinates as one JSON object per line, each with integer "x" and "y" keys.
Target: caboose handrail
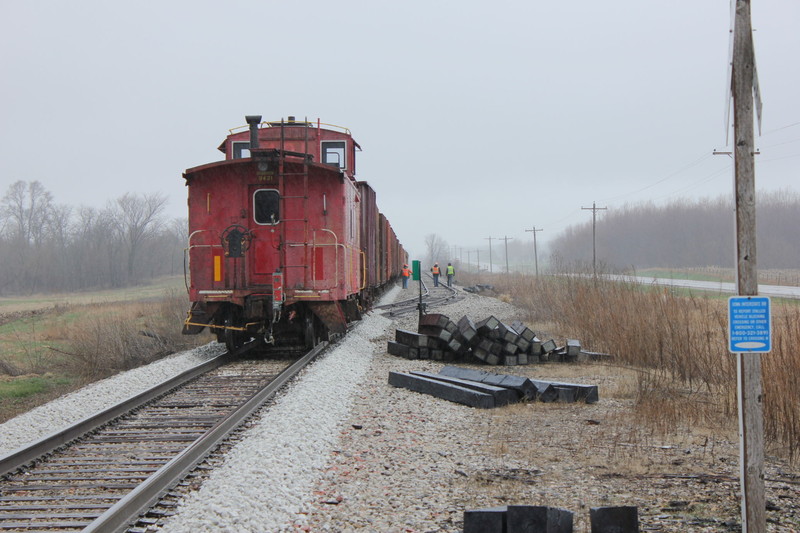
{"x": 336, "y": 248}
{"x": 187, "y": 257}
{"x": 277, "y": 123}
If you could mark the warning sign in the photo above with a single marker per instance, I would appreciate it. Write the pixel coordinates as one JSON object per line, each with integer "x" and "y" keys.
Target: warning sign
{"x": 749, "y": 324}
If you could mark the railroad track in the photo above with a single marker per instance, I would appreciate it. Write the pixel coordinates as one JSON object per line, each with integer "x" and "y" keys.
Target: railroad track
{"x": 103, "y": 473}
{"x": 431, "y": 297}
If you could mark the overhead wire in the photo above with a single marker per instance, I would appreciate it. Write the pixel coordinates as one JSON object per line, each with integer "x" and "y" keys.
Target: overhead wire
{"x": 662, "y": 180}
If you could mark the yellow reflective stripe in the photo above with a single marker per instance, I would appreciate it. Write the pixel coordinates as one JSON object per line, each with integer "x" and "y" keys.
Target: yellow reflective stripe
{"x": 217, "y": 268}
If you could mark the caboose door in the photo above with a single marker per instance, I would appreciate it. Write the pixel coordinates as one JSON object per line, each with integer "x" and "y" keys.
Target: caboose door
{"x": 266, "y": 229}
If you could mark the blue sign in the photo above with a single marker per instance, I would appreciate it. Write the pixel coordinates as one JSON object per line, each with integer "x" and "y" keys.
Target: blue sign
{"x": 749, "y": 324}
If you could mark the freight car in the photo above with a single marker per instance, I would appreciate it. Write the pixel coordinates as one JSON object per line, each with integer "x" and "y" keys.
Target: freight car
{"x": 285, "y": 245}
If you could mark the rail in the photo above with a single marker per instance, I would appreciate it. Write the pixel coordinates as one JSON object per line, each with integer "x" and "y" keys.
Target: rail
{"x": 125, "y": 512}
{"x": 138, "y": 498}
{"x": 429, "y": 300}
{"x": 26, "y": 454}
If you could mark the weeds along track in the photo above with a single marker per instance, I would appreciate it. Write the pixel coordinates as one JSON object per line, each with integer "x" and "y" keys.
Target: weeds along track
{"x": 104, "y": 473}
{"x": 431, "y": 297}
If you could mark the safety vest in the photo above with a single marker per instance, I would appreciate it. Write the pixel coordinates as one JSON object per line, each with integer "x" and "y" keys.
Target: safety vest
{"x": 406, "y": 272}
{"x": 451, "y": 270}
{"x": 435, "y": 269}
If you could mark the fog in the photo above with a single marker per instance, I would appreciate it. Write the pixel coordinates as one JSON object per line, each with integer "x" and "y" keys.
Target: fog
{"x": 476, "y": 119}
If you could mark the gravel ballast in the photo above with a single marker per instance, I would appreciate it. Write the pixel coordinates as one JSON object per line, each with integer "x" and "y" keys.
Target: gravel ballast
{"x": 342, "y": 450}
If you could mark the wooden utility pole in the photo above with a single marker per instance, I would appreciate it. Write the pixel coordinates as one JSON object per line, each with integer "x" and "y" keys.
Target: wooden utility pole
{"x": 507, "y": 238}
{"x": 490, "y": 253}
{"x": 535, "y": 253}
{"x": 594, "y": 209}
{"x": 751, "y": 412}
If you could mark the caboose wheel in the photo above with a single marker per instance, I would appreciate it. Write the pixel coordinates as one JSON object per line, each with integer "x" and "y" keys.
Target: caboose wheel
{"x": 309, "y": 331}
{"x": 233, "y": 339}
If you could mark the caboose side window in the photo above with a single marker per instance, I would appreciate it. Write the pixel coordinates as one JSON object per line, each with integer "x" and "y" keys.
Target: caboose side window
{"x": 266, "y": 206}
{"x": 241, "y": 149}
{"x": 333, "y": 153}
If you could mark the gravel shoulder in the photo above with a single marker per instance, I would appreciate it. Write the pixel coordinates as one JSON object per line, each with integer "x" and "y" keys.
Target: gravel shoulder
{"x": 408, "y": 462}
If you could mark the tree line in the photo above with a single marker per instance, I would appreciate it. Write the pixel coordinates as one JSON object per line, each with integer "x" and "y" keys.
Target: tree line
{"x": 50, "y": 247}
{"x": 684, "y": 233}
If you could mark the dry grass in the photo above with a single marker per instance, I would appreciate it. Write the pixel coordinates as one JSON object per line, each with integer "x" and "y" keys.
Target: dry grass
{"x": 64, "y": 347}
{"x": 685, "y": 379}
{"x": 116, "y": 337}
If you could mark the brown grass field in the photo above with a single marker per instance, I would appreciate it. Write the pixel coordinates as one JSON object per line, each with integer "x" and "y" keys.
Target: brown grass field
{"x": 53, "y": 344}
{"x": 676, "y": 342}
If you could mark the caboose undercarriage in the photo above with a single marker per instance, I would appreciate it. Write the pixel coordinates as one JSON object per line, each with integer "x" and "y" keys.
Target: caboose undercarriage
{"x": 297, "y": 324}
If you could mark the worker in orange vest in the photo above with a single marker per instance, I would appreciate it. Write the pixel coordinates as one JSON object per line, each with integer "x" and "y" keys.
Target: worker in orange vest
{"x": 435, "y": 271}
{"x": 406, "y": 273}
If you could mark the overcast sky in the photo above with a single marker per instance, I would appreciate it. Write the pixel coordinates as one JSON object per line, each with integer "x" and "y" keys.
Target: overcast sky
{"x": 476, "y": 119}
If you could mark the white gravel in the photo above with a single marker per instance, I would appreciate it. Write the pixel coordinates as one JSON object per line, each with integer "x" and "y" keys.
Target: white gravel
{"x": 267, "y": 478}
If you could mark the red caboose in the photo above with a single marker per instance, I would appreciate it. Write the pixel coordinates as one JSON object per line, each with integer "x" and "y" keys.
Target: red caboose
{"x": 283, "y": 242}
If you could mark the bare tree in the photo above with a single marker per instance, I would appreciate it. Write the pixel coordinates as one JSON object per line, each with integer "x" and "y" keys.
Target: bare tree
{"x": 25, "y": 209}
{"x": 435, "y": 248}
{"x": 137, "y": 218}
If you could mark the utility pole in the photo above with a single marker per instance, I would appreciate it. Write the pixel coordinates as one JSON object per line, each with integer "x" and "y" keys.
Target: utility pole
{"x": 594, "y": 210}
{"x": 535, "y": 254}
{"x": 744, "y": 85}
{"x": 490, "y": 253}
{"x": 468, "y": 263}
{"x": 507, "y": 238}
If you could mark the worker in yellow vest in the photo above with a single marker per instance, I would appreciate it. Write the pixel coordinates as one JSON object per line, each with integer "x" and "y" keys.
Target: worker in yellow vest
{"x": 405, "y": 273}
{"x": 450, "y": 271}
{"x": 435, "y": 271}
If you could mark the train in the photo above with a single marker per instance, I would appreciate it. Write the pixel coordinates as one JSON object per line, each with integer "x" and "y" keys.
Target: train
{"x": 285, "y": 245}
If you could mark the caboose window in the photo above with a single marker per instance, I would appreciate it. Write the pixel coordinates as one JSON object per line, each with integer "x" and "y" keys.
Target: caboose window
{"x": 266, "y": 206}
{"x": 241, "y": 149}
{"x": 333, "y": 153}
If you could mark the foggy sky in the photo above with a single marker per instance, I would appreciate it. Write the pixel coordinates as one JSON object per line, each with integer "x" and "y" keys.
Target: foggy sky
{"x": 476, "y": 119}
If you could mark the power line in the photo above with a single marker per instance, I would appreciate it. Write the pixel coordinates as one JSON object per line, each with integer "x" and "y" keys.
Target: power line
{"x": 662, "y": 180}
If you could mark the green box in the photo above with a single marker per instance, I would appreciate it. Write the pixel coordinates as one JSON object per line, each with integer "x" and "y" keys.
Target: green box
{"x": 417, "y": 270}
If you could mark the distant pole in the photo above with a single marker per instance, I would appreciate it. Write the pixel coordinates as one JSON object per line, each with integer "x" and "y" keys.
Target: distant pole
{"x": 490, "y": 253}
{"x": 751, "y": 410}
{"x": 479, "y": 263}
{"x": 594, "y": 209}
{"x": 535, "y": 254}
{"x": 468, "y": 262}
{"x": 507, "y": 238}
